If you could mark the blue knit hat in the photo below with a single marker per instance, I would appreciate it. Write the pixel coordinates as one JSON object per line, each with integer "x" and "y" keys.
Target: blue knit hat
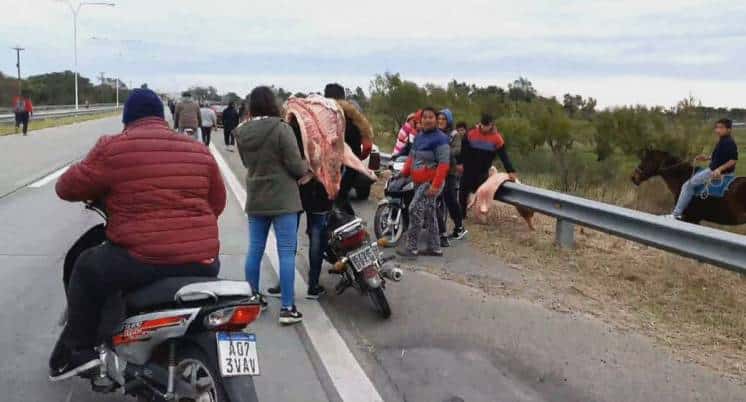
{"x": 142, "y": 103}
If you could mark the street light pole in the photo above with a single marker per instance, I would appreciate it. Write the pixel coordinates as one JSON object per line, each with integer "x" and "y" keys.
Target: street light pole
{"x": 18, "y": 50}
{"x": 76, "y": 11}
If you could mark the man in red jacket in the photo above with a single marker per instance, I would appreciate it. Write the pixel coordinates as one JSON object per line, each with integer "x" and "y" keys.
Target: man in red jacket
{"x": 163, "y": 194}
{"x": 23, "y": 109}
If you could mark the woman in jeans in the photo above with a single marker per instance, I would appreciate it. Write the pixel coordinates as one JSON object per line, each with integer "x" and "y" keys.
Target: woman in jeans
{"x": 269, "y": 152}
{"x": 317, "y": 206}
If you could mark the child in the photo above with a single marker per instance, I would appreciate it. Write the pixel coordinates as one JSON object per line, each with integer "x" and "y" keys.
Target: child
{"x": 722, "y": 161}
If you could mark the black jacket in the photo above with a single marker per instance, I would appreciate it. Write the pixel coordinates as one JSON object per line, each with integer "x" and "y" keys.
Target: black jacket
{"x": 313, "y": 195}
{"x": 230, "y": 119}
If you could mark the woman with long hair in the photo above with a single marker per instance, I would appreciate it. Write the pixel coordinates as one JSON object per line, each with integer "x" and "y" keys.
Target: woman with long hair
{"x": 269, "y": 151}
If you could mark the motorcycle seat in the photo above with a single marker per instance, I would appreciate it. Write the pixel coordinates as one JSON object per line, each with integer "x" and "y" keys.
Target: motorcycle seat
{"x": 177, "y": 290}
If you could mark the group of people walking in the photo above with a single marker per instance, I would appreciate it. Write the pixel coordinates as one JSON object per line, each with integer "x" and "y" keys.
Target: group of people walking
{"x": 199, "y": 120}
{"x": 447, "y": 164}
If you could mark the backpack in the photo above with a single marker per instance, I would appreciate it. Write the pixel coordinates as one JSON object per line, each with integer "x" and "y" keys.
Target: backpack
{"x": 20, "y": 105}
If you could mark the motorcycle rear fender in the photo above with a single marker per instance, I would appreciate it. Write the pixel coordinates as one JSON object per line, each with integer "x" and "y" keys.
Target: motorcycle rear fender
{"x": 139, "y": 335}
{"x": 390, "y": 201}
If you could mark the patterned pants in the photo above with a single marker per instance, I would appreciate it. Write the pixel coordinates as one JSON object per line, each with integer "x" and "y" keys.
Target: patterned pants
{"x": 422, "y": 211}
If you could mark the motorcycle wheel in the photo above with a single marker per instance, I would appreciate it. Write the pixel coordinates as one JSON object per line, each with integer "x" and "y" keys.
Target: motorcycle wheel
{"x": 203, "y": 374}
{"x": 379, "y": 301}
{"x": 381, "y": 225}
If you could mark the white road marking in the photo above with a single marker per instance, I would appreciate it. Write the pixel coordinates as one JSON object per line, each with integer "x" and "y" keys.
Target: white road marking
{"x": 49, "y": 178}
{"x": 351, "y": 382}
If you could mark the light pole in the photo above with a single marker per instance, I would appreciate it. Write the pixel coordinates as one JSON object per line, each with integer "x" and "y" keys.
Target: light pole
{"x": 120, "y": 41}
{"x": 76, "y": 11}
{"x": 18, "y": 50}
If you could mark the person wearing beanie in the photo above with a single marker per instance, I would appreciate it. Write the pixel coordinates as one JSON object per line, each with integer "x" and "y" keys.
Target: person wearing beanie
{"x": 153, "y": 184}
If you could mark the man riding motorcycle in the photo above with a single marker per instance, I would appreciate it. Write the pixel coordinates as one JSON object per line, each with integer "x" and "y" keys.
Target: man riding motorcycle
{"x": 163, "y": 194}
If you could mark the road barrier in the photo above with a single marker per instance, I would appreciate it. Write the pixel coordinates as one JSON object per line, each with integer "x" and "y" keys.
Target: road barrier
{"x": 39, "y": 108}
{"x": 55, "y": 114}
{"x": 717, "y": 247}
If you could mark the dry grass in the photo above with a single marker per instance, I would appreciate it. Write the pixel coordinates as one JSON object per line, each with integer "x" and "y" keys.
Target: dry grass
{"x": 9, "y": 128}
{"x": 695, "y": 309}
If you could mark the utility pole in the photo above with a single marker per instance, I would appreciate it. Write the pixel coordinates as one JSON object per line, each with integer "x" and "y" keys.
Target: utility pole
{"x": 18, "y": 50}
{"x": 103, "y": 79}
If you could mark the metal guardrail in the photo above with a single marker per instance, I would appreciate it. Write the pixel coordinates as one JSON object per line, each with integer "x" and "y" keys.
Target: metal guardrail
{"x": 9, "y": 118}
{"x": 717, "y": 247}
{"x": 39, "y": 108}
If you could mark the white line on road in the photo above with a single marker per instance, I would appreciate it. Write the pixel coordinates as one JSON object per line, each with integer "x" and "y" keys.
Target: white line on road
{"x": 49, "y": 178}
{"x": 349, "y": 379}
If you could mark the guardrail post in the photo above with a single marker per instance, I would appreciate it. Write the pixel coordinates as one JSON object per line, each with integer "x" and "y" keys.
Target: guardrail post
{"x": 565, "y": 234}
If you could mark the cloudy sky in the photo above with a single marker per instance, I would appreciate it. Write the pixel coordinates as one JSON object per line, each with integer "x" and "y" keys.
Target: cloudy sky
{"x": 620, "y": 52}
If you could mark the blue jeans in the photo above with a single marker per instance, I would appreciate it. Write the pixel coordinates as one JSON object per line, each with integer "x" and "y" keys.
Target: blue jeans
{"x": 687, "y": 190}
{"x": 316, "y": 230}
{"x": 286, "y": 231}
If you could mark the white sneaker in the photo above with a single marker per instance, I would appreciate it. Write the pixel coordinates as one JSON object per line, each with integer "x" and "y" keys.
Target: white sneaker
{"x": 672, "y": 216}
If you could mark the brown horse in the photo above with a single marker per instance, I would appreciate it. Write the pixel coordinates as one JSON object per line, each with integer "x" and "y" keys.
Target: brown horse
{"x": 728, "y": 210}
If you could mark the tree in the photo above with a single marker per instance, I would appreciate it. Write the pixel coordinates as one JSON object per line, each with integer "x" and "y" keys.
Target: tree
{"x": 201, "y": 94}
{"x": 282, "y": 94}
{"x": 359, "y": 97}
{"x": 521, "y": 90}
{"x": 231, "y": 97}
{"x": 395, "y": 98}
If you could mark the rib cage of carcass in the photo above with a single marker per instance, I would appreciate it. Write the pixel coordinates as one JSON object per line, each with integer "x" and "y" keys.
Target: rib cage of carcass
{"x": 322, "y": 126}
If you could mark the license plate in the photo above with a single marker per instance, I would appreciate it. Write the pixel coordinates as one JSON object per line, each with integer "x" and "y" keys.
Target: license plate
{"x": 363, "y": 258}
{"x": 237, "y": 354}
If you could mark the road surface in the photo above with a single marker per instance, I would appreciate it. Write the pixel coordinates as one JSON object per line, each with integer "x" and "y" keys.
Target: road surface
{"x": 444, "y": 342}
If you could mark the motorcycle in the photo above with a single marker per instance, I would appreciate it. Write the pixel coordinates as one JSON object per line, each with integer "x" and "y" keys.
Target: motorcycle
{"x": 359, "y": 261}
{"x": 392, "y": 214}
{"x": 177, "y": 339}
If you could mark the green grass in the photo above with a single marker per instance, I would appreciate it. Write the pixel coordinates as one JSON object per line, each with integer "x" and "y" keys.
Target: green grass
{"x": 9, "y": 128}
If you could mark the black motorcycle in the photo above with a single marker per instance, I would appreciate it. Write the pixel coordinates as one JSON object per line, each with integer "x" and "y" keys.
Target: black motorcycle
{"x": 391, "y": 220}
{"x": 358, "y": 260}
{"x": 177, "y": 339}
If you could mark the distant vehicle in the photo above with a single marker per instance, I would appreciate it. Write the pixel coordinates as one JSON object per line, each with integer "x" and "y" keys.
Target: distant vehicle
{"x": 219, "y": 112}
{"x": 362, "y": 185}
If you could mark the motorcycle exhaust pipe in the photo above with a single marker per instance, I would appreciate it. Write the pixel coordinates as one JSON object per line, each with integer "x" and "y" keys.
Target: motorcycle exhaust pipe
{"x": 395, "y": 274}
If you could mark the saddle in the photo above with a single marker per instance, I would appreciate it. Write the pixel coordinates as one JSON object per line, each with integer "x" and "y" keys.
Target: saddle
{"x": 714, "y": 188}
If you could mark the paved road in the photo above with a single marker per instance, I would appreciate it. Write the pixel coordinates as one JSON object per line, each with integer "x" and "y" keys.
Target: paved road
{"x": 444, "y": 342}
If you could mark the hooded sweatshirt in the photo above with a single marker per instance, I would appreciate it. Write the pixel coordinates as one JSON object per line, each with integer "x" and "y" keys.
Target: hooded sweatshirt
{"x": 478, "y": 151}
{"x": 454, "y": 141}
{"x": 429, "y": 159}
{"x": 269, "y": 151}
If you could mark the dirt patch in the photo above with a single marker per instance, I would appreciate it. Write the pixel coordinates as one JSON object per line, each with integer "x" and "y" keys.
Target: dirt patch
{"x": 695, "y": 309}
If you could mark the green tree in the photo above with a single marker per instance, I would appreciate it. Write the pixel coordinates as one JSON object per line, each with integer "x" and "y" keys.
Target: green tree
{"x": 521, "y": 90}
{"x": 231, "y": 97}
{"x": 395, "y": 98}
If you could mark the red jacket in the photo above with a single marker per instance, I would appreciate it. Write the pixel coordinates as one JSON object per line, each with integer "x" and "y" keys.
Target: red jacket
{"x": 28, "y": 106}
{"x": 163, "y": 192}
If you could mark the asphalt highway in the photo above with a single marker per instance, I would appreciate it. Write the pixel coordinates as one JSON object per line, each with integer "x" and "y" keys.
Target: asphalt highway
{"x": 444, "y": 341}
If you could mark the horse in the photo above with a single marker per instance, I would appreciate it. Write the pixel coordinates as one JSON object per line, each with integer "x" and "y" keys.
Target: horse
{"x": 727, "y": 210}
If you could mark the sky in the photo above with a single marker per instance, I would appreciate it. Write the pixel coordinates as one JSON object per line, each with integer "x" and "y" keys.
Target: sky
{"x": 620, "y": 52}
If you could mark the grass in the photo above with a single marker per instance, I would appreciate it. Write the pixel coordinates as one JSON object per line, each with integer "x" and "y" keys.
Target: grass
{"x": 9, "y": 128}
{"x": 695, "y": 309}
